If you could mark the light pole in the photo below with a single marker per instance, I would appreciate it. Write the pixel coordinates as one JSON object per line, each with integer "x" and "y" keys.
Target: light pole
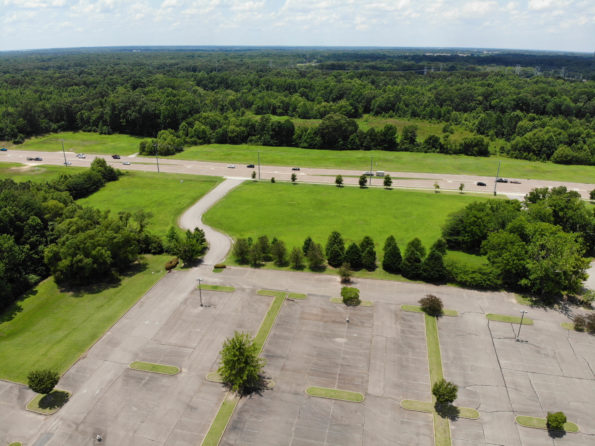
{"x": 156, "y": 155}
{"x": 64, "y": 152}
{"x": 258, "y": 165}
{"x": 497, "y": 176}
{"x": 523, "y": 312}
{"x": 199, "y": 292}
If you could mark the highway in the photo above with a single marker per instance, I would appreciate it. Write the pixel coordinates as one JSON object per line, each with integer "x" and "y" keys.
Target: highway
{"x": 409, "y": 180}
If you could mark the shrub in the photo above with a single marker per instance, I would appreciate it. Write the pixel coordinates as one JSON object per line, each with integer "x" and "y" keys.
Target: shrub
{"x": 350, "y": 296}
{"x": 590, "y": 325}
{"x": 272, "y": 179}
{"x": 556, "y": 421}
{"x": 253, "y": 175}
{"x": 482, "y": 277}
{"x": 592, "y": 194}
{"x": 431, "y": 305}
{"x": 580, "y": 322}
{"x": 345, "y": 273}
{"x": 220, "y": 265}
{"x": 171, "y": 264}
{"x": 339, "y": 181}
{"x": 444, "y": 391}
{"x": 43, "y": 381}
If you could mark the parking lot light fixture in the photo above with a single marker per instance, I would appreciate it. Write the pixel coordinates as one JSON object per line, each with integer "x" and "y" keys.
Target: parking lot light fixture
{"x": 523, "y": 312}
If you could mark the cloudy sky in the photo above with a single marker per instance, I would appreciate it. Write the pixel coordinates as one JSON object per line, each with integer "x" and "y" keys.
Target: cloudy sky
{"x": 567, "y": 25}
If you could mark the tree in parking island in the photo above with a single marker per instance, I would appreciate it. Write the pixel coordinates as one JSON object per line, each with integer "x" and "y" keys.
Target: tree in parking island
{"x": 240, "y": 367}
{"x": 42, "y": 381}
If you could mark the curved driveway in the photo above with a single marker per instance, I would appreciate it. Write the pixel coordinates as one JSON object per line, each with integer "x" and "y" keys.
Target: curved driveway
{"x": 219, "y": 243}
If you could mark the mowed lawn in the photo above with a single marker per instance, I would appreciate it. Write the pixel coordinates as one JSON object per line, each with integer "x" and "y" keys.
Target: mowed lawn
{"x": 293, "y": 212}
{"x": 81, "y": 142}
{"x": 52, "y": 328}
{"x": 165, "y": 195}
{"x": 388, "y": 161}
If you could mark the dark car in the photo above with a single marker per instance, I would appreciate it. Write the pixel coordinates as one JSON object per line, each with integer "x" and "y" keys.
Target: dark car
{"x": 30, "y": 158}
{"x": 250, "y": 166}
{"x": 295, "y": 168}
{"x": 480, "y": 183}
{"x": 116, "y": 157}
{"x": 515, "y": 181}
{"x": 3, "y": 149}
{"x": 501, "y": 180}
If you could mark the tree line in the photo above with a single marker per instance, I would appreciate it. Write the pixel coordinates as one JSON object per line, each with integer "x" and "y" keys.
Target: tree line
{"x": 144, "y": 94}
{"x": 44, "y": 231}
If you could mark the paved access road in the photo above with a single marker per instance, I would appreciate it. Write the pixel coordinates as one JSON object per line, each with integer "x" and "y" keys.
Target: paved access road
{"x": 412, "y": 180}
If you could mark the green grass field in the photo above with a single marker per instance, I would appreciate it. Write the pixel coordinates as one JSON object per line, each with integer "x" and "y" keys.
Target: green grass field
{"x": 165, "y": 195}
{"x": 81, "y": 142}
{"x": 291, "y": 213}
{"x": 51, "y": 328}
{"x": 41, "y": 173}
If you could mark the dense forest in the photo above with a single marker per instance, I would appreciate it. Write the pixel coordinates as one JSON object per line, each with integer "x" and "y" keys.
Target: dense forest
{"x": 539, "y": 106}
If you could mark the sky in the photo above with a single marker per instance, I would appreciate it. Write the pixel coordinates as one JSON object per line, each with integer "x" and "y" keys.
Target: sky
{"x": 564, "y": 25}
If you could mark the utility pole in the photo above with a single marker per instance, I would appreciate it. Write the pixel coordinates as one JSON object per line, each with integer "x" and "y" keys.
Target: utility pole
{"x": 497, "y": 176}
{"x": 157, "y": 155}
{"x": 258, "y": 165}
{"x": 371, "y": 172}
{"x": 64, "y": 152}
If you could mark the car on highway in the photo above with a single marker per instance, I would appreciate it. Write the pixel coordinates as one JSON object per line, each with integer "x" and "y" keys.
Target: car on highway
{"x": 34, "y": 158}
{"x": 480, "y": 183}
{"x": 67, "y": 163}
{"x": 126, "y": 163}
{"x": 81, "y": 156}
{"x": 3, "y": 149}
{"x": 250, "y": 166}
{"x": 501, "y": 180}
{"x": 231, "y": 166}
{"x": 515, "y": 182}
{"x": 116, "y": 157}
{"x": 295, "y": 168}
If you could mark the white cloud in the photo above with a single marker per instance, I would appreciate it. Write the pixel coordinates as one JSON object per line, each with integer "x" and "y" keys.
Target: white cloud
{"x": 539, "y": 5}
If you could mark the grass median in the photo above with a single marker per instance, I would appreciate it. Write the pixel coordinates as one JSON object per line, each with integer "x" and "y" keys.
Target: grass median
{"x": 541, "y": 423}
{"x": 508, "y": 319}
{"x": 155, "y": 368}
{"x": 335, "y": 394}
{"x": 220, "y": 288}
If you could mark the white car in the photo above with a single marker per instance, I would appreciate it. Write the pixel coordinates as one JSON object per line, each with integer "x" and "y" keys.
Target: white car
{"x": 231, "y": 166}
{"x": 126, "y": 163}
{"x": 81, "y": 156}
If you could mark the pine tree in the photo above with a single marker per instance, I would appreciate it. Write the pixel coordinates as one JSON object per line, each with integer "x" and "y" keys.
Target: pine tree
{"x": 315, "y": 257}
{"x": 306, "y": 246}
{"x": 440, "y": 245}
{"x": 413, "y": 260}
{"x": 433, "y": 269}
{"x": 353, "y": 256}
{"x": 366, "y": 243}
{"x": 279, "y": 252}
{"x": 335, "y": 249}
{"x": 369, "y": 259}
{"x": 296, "y": 259}
{"x": 392, "y": 256}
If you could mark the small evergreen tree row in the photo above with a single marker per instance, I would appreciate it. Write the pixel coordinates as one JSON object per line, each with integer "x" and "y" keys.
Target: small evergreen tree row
{"x": 414, "y": 264}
